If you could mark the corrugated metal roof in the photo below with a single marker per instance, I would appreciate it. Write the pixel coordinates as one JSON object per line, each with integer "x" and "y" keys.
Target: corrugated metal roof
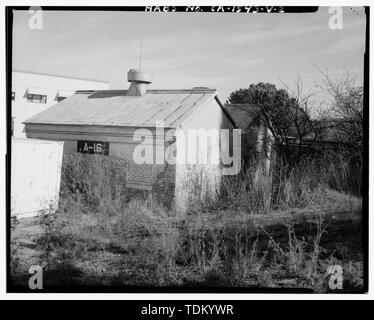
{"x": 115, "y": 108}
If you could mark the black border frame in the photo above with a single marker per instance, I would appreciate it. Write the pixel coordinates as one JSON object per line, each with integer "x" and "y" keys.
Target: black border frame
{"x": 129, "y": 289}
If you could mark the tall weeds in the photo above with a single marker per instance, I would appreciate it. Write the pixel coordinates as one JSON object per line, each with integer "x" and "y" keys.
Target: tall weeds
{"x": 93, "y": 180}
{"x": 312, "y": 183}
{"x": 218, "y": 247}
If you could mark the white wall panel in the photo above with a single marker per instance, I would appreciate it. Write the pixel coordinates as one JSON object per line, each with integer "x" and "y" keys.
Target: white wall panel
{"x": 35, "y": 176}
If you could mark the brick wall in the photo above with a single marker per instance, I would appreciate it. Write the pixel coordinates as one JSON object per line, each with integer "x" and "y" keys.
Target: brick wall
{"x": 164, "y": 186}
{"x": 157, "y": 178}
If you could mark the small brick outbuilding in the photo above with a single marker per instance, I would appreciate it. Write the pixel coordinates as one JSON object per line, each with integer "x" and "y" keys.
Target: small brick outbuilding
{"x": 117, "y": 122}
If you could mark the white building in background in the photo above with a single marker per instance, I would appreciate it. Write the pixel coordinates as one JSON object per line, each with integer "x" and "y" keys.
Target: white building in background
{"x": 32, "y": 93}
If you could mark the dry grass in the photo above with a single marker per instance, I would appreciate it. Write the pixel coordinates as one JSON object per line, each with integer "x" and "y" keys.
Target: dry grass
{"x": 312, "y": 184}
{"x": 104, "y": 235}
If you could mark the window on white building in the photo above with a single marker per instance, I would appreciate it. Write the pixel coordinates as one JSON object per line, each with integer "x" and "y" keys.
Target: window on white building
{"x": 36, "y": 98}
{"x": 59, "y": 98}
{"x": 63, "y": 94}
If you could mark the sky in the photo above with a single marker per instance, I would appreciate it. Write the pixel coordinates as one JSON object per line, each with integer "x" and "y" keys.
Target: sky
{"x": 226, "y": 51}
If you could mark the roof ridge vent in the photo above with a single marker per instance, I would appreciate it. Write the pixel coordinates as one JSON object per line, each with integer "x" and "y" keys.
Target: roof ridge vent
{"x": 200, "y": 88}
{"x": 139, "y": 80}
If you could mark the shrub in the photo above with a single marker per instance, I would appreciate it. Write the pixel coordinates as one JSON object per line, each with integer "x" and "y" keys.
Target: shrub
{"x": 213, "y": 245}
{"x": 308, "y": 184}
{"x": 93, "y": 179}
{"x": 249, "y": 191}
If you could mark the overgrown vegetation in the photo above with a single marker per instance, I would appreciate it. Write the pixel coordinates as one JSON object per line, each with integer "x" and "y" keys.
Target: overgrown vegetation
{"x": 316, "y": 184}
{"x": 103, "y": 235}
{"x": 279, "y": 229}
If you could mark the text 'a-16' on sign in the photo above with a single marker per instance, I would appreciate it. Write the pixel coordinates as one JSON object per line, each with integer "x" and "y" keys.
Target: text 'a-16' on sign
{"x": 93, "y": 147}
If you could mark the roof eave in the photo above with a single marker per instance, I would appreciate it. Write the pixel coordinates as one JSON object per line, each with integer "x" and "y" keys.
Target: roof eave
{"x": 225, "y": 111}
{"x": 98, "y": 125}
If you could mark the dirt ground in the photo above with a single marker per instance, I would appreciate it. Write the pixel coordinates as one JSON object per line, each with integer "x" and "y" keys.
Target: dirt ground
{"x": 341, "y": 243}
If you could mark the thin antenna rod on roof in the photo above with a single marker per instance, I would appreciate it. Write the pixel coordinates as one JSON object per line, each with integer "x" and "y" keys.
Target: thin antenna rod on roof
{"x": 140, "y": 53}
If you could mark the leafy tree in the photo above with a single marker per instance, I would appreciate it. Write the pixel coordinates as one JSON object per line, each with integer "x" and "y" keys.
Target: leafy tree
{"x": 286, "y": 116}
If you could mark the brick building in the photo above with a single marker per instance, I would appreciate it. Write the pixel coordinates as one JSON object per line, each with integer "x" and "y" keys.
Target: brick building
{"x": 122, "y": 122}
